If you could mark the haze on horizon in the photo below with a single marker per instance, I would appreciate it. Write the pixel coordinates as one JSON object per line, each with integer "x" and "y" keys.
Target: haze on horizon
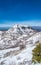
{"x": 20, "y": 12}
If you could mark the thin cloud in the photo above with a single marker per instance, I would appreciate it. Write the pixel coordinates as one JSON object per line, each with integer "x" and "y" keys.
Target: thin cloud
{"x": 29, "y": 23}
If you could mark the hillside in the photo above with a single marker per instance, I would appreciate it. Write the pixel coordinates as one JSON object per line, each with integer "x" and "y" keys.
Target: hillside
{"x": 16, "y": 45}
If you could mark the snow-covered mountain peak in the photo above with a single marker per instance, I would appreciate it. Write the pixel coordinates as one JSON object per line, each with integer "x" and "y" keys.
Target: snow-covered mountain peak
{"x": 16, "y": 25}
{"x": 17, "y": 43}
{"x": 20, "y": 29}
{"x": 16, "y": 29}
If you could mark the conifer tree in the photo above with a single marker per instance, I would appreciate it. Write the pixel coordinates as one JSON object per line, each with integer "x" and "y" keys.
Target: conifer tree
{"x": 36, "y": 52}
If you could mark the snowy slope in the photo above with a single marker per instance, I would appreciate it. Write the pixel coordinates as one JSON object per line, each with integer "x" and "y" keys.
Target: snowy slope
{"x": 11, "y": 52}
{"x": 22, "y": 58}
{"x": 10, "y": 37}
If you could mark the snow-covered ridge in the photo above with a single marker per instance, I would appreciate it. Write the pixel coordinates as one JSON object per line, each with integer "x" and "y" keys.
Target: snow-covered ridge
{"x": 17, "y": 43}
{"x": 19, "y": 28}
{"x": 10, "y": 37}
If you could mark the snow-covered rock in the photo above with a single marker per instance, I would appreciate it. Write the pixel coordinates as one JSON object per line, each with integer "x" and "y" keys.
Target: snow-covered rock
{"x": 15, "y": 35}
{"x": 16, "y": 45}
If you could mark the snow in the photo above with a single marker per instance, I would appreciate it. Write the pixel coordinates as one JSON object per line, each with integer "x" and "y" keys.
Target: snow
{"x": 25, "y": 55}
{"x": 10, "y": 41}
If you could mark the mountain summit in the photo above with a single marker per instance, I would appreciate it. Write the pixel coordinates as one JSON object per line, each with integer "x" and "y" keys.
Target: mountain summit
{"x": 14, "y": 35}
{"x": 17, "y": 43}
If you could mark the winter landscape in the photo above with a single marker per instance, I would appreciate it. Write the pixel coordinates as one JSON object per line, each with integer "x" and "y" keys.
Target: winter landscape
{"x": 20, "y": 32}
{"x": 16, "y": 45}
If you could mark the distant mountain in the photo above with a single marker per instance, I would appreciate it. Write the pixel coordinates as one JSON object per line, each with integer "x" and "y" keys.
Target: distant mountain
{"x": 38, "y": 28}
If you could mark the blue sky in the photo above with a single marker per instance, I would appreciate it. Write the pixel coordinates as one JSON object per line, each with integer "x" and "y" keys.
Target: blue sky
{"x": 20, "y": 11}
